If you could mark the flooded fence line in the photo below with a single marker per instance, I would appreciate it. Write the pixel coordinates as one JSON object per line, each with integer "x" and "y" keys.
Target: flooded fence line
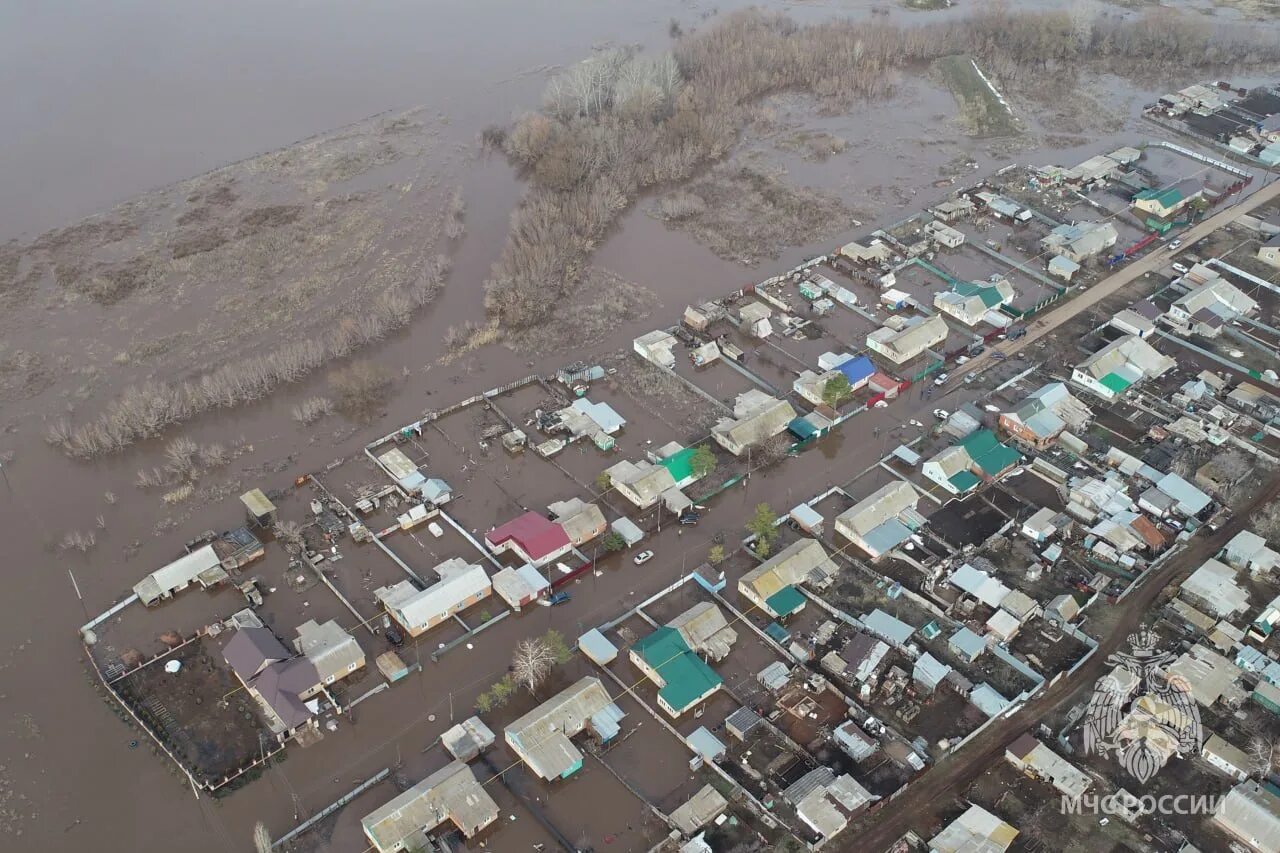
{"x": 120, "y": 700}
{"x": 331, "y": 808}
{"x": 201, "y": 633}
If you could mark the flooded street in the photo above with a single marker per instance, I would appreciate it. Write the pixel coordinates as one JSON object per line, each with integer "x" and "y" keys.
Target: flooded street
{"x": 108, "y": 102}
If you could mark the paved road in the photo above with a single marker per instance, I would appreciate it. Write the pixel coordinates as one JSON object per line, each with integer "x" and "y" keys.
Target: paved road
{"x": 933, "y": 793}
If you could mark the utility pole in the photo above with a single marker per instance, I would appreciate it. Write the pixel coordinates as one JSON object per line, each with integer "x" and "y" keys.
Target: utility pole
{"x": 5, "y": 474}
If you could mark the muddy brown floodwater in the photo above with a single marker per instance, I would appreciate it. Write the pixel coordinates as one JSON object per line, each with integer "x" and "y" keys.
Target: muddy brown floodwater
{"x": 104, "y": 102}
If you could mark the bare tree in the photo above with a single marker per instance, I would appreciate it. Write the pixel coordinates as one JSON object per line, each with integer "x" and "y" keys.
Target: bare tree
{"x": 532, "y": 663}
{"x": 1264, "y": 754}
{"x": 290, "y": 534}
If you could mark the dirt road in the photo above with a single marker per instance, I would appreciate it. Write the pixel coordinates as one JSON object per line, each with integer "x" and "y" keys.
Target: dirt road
{"x": 1108, "y": 286}
{"x": 927, "y": 797}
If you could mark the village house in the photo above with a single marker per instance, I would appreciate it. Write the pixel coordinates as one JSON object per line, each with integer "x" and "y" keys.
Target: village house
{"x": 771, "y": 586}
{"x": 967, "y": 645}
{"x": 451, "y": 794}
{"x": 520, "y": 586}
{"x": 825, "y": 801}
{"x": 1269, "y": 252}
{"x": 1124, "y": 362}
{"x": 901, "y": 340}
{"x": 1229, "y": 759}
{"x": 978, "y": 458}
{"x": 975, "y": 831}
{"x": 757, "y": 417}
{"x": 978, "y": 584}
{"x": 542, "y": 738}
{"x": 1250, "y": 812}
{"x": 461, "y": 585}
{"x": 1249, "y": 552}
{"x": 644, "y": 484}
{"x": 1044, "y": 414}
{"x": 1138, "y": 319}
{"x": 753, "y": 320}
{"x": 1080, "y": 241}
{"x": 531, "y": 538}
{"x": 1208, "y": 307}
{"x": 1211, "y": 677}
{"x": 854, "y": 741}
{"x": 954, "y": 209}
{"x": 1160, "y": 205}
{"x": 682, "y": 677}
{"x": 1062, "y": 267}
{"x": 859, "y": 660}
{"x": 581, "y": 521}
{"x": 1030, "y": 756}
{"x": 202, "y": 566}
{"x": 331, "y": 649}
{"x": 1213, "y": 589}
{"x": 883, "y": 520}
{"x": 977, "y": 302}
{"x": 657, "y": 347}
{"x": 944, "y": 235}
{"x": 704, "y": 629}
{"x": 875, "y": 252}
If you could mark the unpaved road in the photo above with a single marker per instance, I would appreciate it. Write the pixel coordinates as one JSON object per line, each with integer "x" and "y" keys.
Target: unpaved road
{"x": 1108, "y": 286}
{"x": 918, "y": 808}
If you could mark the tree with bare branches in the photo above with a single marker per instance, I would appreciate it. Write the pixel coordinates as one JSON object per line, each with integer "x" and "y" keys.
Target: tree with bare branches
{"x": 532, "y": 662}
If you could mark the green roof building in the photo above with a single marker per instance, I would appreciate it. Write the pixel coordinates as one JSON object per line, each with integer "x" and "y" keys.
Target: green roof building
{"x": 989, "y": 454}
{"x": 785, "y": 601}
{"x": 683, "y": 678}
{"x": 680, "y": 466}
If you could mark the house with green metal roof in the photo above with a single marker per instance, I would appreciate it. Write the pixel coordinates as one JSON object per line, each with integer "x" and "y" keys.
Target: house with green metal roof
{"x": 771, "y": 586}
{"x": 1164, "y": 202}
{"x": 680, "y": 464}
{"x": 785, "y": 601}
{"x": 971, "y": 302}
{"x": 1125, "y": 361}
{"x": 683, "y": 679}
{"x": 987, "y": 452}
{"x": 961, "y": 468}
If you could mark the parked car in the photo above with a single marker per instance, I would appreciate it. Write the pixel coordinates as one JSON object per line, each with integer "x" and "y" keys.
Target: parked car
{"x": 916, "y": 423}
{"x": 689, "y": 518}
{"x": 394, "y": 637}
{"x": 969, "y": 377}
{"x": 558, "y": 598}
{"x": 941, "y": 414}
{"x": 643, "y": 557}
{"x": 1174, "y": 245}
{"x": 1180, "y": 268}
{"x": 942, "y": 379}
{"x": 881, "y": 404}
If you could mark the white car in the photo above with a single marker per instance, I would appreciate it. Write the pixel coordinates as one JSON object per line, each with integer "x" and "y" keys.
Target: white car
{"x": 1180, "y": 268}
{"x": 881, "y": 404}
{"x": 969, "y": 377}
{"x": 643, "y": 557}
{"x": 1174, "y": 244}
{"x": 916, "y": 423}
{"x": 941, "y": 414}
{"x": 942, "y": 379}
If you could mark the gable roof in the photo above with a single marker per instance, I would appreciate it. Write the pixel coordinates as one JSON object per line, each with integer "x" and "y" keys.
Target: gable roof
{"x": 687, "y": 676}
{"x": 536, "y": 535}
{"x": 988, "y": 453}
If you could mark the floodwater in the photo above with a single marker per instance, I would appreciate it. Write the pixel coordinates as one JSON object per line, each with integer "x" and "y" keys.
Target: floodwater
{"x": 107, "y": 101}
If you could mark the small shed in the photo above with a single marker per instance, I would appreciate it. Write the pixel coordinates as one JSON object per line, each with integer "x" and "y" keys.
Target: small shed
{"x": 597, "y": 647}
{"x": 262, "y": 511}
{"x": 703, "y": 742}
{"x": 741, "y": 723}
{"x": 391, "y": 666}
{"x": 627, "y": 529}
{"x": 468, "y": 739}
{"x": 808, "y": 519}
{"x": 774, "y": 676}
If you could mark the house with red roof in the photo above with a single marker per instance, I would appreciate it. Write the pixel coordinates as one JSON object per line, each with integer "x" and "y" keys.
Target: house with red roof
{"x": 531, "y": 537}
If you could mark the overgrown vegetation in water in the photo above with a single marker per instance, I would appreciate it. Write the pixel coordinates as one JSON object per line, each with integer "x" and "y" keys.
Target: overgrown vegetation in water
{"x": 620, "y": 123}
